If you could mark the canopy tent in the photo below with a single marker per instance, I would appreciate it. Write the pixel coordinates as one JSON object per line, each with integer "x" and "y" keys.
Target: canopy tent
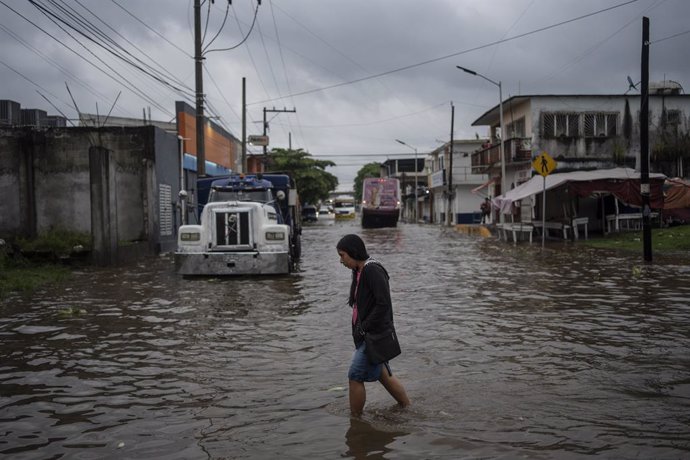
{"x": 624, "y": 183}
{"x": 677, "y": 199}
{"x": 476, "y": 190}
{"x": 677, "y": 194}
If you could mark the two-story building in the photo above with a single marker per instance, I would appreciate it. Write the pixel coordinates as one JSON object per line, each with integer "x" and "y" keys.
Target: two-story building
{"x": 410, "y": 173}
{"x": 452, "y": 181}
{"x": 585, "y": 132}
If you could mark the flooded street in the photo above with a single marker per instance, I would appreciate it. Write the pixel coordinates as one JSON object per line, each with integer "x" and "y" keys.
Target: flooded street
{"x": 508, "y": 352}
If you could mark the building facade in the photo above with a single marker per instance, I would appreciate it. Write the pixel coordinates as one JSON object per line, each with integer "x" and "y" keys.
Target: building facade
{"x": 586, "y": 132}
{"x": 118, "y": 185}
{"x": 413, "y": 184}
{"x": 452, "y": 183}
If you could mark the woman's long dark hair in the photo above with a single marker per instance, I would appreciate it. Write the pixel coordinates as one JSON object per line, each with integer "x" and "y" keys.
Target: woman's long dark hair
{"x": 355, "y": 248}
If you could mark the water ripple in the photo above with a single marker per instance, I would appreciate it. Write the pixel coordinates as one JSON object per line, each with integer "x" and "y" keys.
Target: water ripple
{"x": 507, "y": 351}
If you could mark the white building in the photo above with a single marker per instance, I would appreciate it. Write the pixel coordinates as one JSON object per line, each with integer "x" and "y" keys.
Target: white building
{"x": 452, "y": 200}
{"x": 585, "y": 132}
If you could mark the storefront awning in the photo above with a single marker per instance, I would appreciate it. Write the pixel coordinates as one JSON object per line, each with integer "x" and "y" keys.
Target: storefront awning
{"x": 485, "y": 184}
{"x": 622, "y": 182}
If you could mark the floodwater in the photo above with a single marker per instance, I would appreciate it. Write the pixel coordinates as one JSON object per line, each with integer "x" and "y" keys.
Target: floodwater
{"x": 508, "y": 352}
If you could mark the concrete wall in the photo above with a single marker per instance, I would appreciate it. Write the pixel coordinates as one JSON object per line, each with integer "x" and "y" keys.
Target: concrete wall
{"x": 101, "y": 181}
{"x": 11, "y": 169}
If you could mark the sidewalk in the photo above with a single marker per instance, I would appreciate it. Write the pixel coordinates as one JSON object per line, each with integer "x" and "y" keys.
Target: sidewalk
{"x": 474, "y": 229}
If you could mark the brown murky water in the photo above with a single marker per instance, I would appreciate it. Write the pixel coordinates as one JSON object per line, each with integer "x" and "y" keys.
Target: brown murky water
{"x": 507, "y": 352}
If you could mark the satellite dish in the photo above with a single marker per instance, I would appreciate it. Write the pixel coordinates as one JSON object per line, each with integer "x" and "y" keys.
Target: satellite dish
{"x": 631, "y": 85}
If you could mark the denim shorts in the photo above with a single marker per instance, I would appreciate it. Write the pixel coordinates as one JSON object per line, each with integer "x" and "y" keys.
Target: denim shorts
{"x": 361, "y": 370}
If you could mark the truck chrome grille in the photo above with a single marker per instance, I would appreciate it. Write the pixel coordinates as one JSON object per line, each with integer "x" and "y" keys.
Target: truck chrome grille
{"x": 233, "y": 230}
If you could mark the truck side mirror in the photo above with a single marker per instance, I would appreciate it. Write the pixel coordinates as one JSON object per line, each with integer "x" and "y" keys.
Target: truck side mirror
{"x": 280, "y": 195}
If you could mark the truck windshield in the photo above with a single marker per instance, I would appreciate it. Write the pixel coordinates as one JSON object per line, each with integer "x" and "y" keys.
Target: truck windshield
{"x": 262, "y": 196}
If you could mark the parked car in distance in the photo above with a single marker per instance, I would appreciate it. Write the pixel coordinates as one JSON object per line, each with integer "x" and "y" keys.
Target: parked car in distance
{"x": 326, "y": 213}
{"x": 310, "y": 214}
{"x": 344, "y": 207}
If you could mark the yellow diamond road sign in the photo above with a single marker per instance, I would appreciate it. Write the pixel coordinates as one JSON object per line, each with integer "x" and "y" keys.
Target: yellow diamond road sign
{"x": 544, "y": 164}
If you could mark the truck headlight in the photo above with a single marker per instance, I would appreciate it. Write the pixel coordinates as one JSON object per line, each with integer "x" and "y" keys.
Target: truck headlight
{"x": 275, "y": 236}
{"x": 190, "y": 236}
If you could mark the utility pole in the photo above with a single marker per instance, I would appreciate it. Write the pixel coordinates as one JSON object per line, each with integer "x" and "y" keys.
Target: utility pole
{"x": 274, "y": 110}
{"x": 198, "y": 59}
{"x": 451, "y": 195}
{"x": 244, "y": 125}
{"x": 644, "y": 143}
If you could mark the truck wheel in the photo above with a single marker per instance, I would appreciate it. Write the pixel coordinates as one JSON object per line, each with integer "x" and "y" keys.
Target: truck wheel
{"x": 291, "y": 264}
{"x": 297, "y": 247}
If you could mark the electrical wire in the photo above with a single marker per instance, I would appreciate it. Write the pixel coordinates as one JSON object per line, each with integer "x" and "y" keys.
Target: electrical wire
{"x": 447, "y": 56}
{"x": 104, "y": 39}
{"x": 669, "y": 37}
{"x": 287, "y": 79}
{"x": 152, "y": 30}
{"x": 256, "y": 12}
{"x": 109, "y": 75}
{"x": 35, "y": 84}
{"x": 129, "y": 83}
{"x": 165, "y": 71}
{"x": 54, "y": 63}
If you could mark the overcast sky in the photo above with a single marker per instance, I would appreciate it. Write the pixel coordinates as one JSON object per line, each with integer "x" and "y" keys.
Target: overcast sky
{"x": 360, "y": 73}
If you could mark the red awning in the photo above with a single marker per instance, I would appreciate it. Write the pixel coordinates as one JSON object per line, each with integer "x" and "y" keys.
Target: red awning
{"x": 485, "y": 184}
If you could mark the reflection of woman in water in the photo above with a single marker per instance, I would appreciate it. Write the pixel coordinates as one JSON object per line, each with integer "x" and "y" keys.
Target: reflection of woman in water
{"x": 365, "y": 441}
{"x": 372, "y": 311}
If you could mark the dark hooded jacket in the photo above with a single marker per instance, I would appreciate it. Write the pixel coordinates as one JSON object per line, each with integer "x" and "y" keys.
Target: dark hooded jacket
{"x": 374, "y": 307}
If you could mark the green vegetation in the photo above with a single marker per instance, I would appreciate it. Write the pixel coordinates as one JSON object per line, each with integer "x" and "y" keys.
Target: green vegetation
{"x": 671, "y": 239}
{"x": 314, "y": 183}
{"x": 23, "y": 276}
{"x": 56, "y": 241}
{"x": 22, "y": 271}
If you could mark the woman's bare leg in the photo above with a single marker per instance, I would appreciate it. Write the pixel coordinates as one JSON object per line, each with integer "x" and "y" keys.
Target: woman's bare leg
{"x": 358, "y": 396}
{"x": 394, "y": 387}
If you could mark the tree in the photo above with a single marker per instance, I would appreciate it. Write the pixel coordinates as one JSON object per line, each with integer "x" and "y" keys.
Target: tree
{"x": 368, "y": 170}
{"x": 313, "y": 182}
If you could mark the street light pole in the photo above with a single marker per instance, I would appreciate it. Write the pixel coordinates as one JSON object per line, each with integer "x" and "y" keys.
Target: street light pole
{"x": 500, "y": 110}
{"x": 415, "y": 176}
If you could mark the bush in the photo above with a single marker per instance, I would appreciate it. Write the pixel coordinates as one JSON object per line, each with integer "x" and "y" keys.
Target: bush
{"x": 56, "y": 241}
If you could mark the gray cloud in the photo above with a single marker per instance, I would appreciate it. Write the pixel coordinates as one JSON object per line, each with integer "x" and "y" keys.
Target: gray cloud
{"x": 305, "y": 45}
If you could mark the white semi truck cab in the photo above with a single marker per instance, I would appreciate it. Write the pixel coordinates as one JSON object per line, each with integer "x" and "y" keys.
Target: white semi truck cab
{"x": 240, "y": 232}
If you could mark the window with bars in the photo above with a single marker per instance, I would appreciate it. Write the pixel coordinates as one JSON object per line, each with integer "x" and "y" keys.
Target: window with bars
{"x": 558, "y": 124}
{"x": 601, "y": 124}
{"x": 672, "y": 117}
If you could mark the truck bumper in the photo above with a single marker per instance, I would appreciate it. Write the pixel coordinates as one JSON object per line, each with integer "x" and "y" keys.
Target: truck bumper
{"x": 232, "y": 263}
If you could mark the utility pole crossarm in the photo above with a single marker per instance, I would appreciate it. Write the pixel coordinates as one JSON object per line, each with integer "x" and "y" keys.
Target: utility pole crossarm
{"x": 273, "y": 110}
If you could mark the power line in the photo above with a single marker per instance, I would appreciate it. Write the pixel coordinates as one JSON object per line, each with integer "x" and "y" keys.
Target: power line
{"x": 596, "y": 46}
{"x": 669, "y": 37}
{"x": 55, "y": 64}
{"x": 287, "y": 78}
{"x": 87, "y": 26}
{"x": 441, "y": 58}
{"x": 153, "y": 30}
{"x": 63, "y": 44}
{"x": 134, "y": 89}
{"x": 166, "y": 71}
{"x": 34, "y": 83}
{"x": 256, "y": 12}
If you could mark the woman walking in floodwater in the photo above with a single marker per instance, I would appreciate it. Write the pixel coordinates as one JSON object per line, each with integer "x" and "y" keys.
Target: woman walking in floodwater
{"x": 372, "y": 312}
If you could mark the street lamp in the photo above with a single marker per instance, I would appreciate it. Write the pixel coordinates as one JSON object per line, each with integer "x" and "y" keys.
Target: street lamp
{"x": 500, "y": 109}
{"x": 415, "y": 176}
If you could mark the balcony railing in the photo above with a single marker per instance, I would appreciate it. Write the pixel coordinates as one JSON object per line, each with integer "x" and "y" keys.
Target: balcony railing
{"x": 517, "y": 149}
